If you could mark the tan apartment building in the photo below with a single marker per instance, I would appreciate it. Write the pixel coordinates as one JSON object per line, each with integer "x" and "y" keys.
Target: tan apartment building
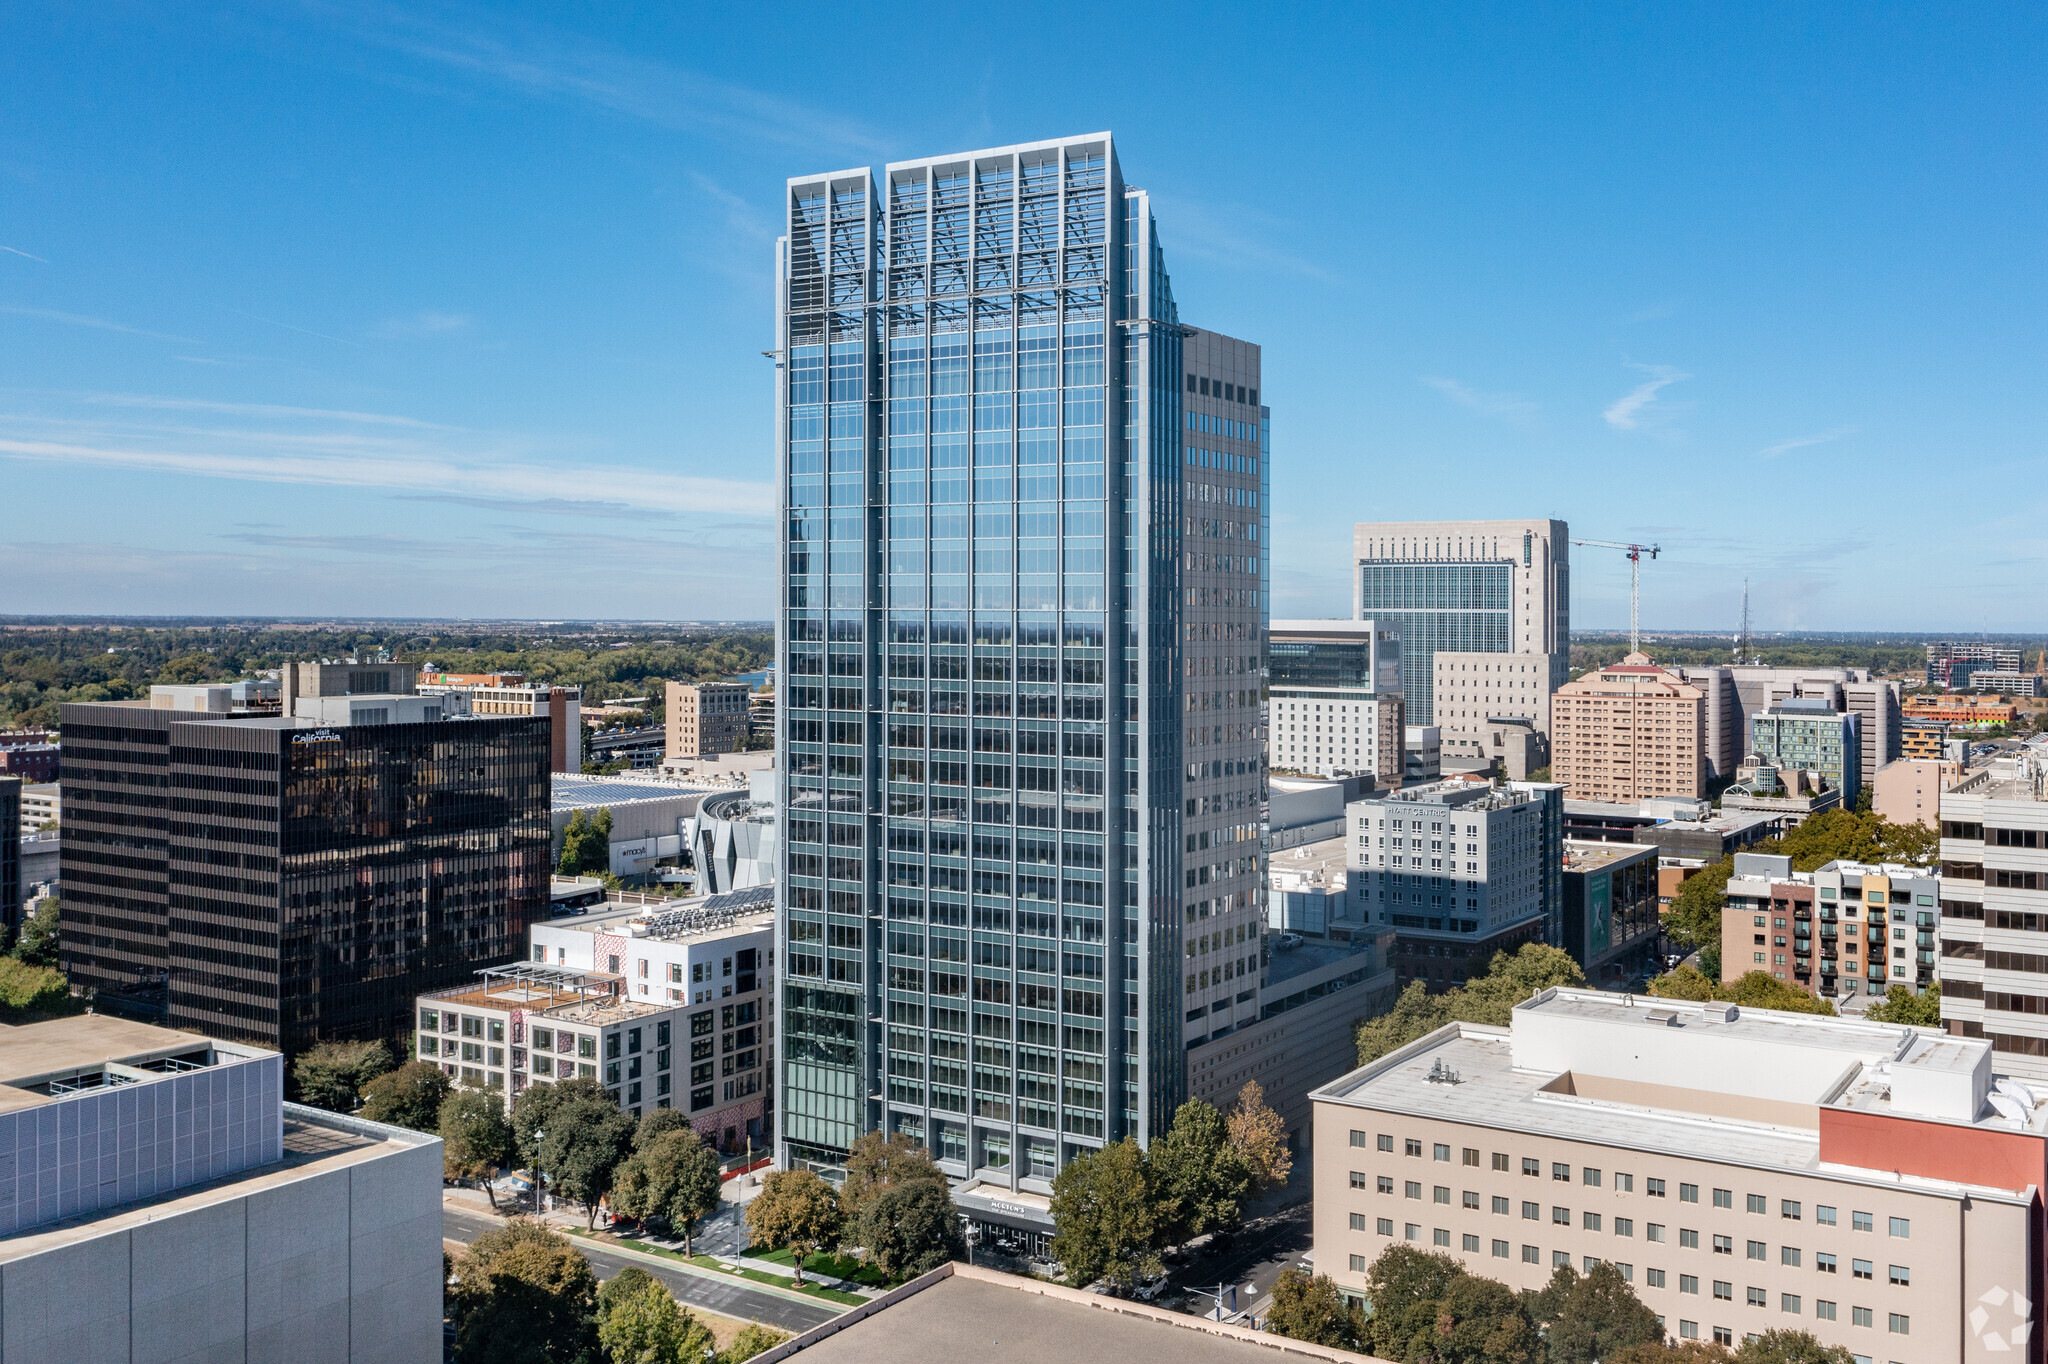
{"x": 1632, "y": 731}
{"x": 1909, "y": 790}
{"x": 706, "y": 717}
{"x": 1744, "y": 1169}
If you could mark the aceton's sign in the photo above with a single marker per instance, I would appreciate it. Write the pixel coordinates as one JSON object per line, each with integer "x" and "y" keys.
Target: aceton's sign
{"x": 316, "y": 736}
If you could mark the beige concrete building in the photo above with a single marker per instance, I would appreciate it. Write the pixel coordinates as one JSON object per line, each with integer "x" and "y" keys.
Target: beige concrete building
{"x": 1909, "y": 790}
{"x": 1629, "y": 732}
{"x": 1474, "y": 691}
{"x": 1746, "y": 1170}
{"x": 706, "y": 717}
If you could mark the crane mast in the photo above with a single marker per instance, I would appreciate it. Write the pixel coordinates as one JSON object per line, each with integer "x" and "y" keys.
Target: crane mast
{"x": 1635, "y": 584}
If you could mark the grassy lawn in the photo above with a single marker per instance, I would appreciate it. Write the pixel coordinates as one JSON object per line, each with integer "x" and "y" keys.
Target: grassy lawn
{"x": 761, "y": 1276}
{"x": 833, "y": 1266}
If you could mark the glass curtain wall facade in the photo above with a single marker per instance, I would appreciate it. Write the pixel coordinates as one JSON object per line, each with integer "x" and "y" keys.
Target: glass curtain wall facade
{"x": 378, "y": 863}
{"x": 293, "y": 883}
{"x": 1465, "y": 587}
{"x": 979, "y": 739}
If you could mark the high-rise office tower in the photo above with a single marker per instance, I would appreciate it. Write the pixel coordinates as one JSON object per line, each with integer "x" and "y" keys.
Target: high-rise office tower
{"x": 1021, "y": 628}
{"x": 289, "y": 880}
{"x": 1465, "y": 587}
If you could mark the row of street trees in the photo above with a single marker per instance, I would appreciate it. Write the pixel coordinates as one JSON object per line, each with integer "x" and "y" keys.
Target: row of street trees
{"x": 1428, "y": 1307}
{"x": 522, "y": 1294}
{"x": 894, "y": 1207}
{"x": 1116, "y": 1210}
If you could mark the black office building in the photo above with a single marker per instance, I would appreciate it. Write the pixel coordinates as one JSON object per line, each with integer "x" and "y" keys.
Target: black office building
{"x": 10, "y": 852}
{"x": 296, "y": 882}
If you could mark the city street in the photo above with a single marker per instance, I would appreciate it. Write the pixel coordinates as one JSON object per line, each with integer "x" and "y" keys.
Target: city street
{"x": 1251, "y": 1265}
{"x": 732, "y": 1299}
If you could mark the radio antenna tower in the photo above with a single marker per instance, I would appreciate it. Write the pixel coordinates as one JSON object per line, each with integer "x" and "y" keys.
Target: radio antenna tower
{"x": 1742, "y": 640}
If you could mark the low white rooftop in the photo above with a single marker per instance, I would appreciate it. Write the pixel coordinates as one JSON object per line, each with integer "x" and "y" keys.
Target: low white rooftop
{"x": 1710, "y": 1080}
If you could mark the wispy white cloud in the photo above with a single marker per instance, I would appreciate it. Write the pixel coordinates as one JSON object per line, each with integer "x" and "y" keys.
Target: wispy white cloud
{"x": 406, "y": 472}
{"x": 98, "y": 323}
{"x": 1510, "y": 405}
{"x": 290, "y": 327}
{"x": 15, "y": 250}
{"x": 1801, "y": 442}
{"x": 1627, "y": 412}
{"x": 425, "y": 324}
{"x": 561, "y": 65}
{"x": 545, "y": 506}
{"x": 152, "y": 401}
{"x": 274, "y": 443}
{"x": 1655, "y": 312}
{"x": 1234, "y": 233}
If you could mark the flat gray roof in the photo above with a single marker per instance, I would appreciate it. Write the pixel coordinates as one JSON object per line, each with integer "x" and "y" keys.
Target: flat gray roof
{"x": 993, "y": 1318}
{"x": 313, "y": 1144}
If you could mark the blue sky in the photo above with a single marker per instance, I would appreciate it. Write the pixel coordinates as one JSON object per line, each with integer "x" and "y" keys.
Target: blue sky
{"x": 406, "y": 310}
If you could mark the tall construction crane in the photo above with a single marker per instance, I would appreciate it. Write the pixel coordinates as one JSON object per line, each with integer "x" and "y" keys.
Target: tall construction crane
{"x": 1635, "y": 584}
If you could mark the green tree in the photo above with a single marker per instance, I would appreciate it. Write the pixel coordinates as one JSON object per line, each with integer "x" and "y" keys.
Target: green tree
{"x": 674, "y": 1177}
{"x": 1790, "y": 1347}
{"x": 1710, "y": 958}
{"x": 1694, "y": 917}
{"x": 753, "y": 1339}
{"x": 1259, "y": 1139}
{"x": 658, "y": 1122}
{"x": 1197, "y": 1180}
{"x": 1310, "y": 1308}
{"x": 640, "y": 1322}
{"x": 410, "y": 1096}
{"x": 1687, "y": 982}
{"x": 522, "y": 1295}
{"x": 1669, "y": 1351}
{"x": 1761, "y": 990}
{"x": 587, "y": 844}
{"x": 1755, "y": 990}
{"x": 797, "y": 1209}
{"x": 476, "y": 1138}
{"x": 1586, "y": 1317}
{"x": 1416, "y": 1013}
{"x": 587, "y": 1140}
{"x": 332, "y": 1075}
{"x": 1512, "y": 977}
{"x": 878, "y": 1162}
{"x": 1106, "y": 1218}
{"x": 40, "y": 940}
{"x": 1405, "y": 1286}
{"x": 912, "y": 1228}
{"x": 1479, "y": 1321}
{"x": 1901, "y": 1004}
{"x": 27, "y": 991}
{"x": 1488, "y": 997}
{"x": 534, "y": 1105}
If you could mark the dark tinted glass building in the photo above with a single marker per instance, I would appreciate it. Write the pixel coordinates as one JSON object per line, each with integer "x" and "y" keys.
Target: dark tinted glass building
{"x": 10, "y": 850}
{"x": 308, "y": 881}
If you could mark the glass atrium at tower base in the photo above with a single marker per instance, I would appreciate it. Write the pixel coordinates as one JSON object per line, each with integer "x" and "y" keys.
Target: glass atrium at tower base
{"x": 1021, "y": 627}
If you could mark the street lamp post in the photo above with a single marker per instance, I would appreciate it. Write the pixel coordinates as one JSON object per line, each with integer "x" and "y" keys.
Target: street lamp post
{"x": 538, "y": 1137}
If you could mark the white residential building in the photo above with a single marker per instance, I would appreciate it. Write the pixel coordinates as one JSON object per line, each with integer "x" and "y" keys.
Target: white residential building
{"x": 1994, "y": 909}
{"x": 667, "y": 1007}
{"x": 1335, "y": 693}
{"x": 1459, "y": 868}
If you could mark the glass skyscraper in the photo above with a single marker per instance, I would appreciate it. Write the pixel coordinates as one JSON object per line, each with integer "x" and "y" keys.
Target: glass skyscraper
{"x": 1022, "y": 598}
